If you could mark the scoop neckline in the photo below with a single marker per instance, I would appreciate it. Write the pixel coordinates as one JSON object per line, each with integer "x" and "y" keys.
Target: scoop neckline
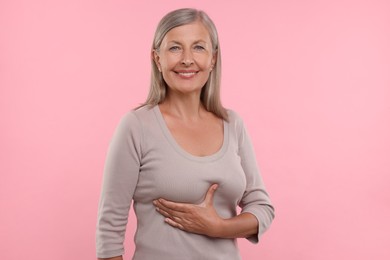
{"x": 168, "y": 135}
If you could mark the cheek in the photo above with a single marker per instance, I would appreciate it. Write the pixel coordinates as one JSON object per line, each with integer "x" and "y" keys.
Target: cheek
{"x": 204, "y": 62}
{"x": 169, "y": 61}
{"x": 164, "y": 63}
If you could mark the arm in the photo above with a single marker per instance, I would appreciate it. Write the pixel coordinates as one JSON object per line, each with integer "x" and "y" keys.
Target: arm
{"x": 243, "y": 225}
{"x": 119, "y": 180}
{"x": 112, "y": 258}
{"x": 255, "y": 199}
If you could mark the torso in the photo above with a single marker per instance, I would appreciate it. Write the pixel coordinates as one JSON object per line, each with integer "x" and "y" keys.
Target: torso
{"x": 170, "y": 169}
{"x": 202, "y": 137}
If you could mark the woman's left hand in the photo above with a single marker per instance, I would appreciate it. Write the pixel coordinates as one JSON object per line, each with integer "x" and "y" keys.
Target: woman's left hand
{"x": 195, "y": 218}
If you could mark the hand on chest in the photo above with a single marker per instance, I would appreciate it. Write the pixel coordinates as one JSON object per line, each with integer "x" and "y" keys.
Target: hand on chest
{"x": 179, "y": 179}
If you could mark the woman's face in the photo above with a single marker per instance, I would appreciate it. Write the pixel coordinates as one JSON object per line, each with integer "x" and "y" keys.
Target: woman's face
{"x": 186, "y": 58}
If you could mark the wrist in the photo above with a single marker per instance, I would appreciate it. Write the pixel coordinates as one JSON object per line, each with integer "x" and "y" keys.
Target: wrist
{"x": 219, "y": 229}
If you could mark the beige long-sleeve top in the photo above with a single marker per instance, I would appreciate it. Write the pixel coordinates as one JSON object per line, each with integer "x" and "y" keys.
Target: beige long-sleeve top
{"x": 144, "y": 162}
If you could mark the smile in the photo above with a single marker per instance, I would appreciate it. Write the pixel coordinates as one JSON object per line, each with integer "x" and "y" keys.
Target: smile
{"x": 186, "y": 74}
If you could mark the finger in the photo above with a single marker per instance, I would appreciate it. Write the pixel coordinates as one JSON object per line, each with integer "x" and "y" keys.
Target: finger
{"x": 167, "y": 212}
{"x": 174, "y": 223}
{"x": 174, "y": 218}
{"x": 160, "y": 205}
{"x": 208, "y": 200}
{"x": 163, "y": 212}
{"x": 177, "y": 219}
{"x": 181, "y": 207}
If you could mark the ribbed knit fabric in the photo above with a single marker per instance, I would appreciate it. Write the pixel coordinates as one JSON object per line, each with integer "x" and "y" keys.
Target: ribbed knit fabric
{"x": 144, "y": 162}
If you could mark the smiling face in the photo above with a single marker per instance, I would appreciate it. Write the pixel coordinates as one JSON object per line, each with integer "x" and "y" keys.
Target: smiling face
{"x": 185, "y": 58}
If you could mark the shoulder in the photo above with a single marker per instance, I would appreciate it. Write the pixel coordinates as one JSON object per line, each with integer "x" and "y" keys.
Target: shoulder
{"x": 131, "y": 122}
{"x": 143, "y": 111}
{"x": 137, "y": 117}
{"x": 236, "y": 125}
{"x": 132, "y": 125}
{"x": 234, "y": 118}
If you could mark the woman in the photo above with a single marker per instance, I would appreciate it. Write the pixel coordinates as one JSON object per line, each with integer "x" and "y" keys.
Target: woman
{"x": 184, "y": 160}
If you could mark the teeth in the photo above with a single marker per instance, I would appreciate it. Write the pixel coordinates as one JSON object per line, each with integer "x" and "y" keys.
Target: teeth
{"x": 187, "y": 74}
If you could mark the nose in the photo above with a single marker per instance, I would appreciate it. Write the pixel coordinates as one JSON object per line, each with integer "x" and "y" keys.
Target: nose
{"x": 187, "y": 58}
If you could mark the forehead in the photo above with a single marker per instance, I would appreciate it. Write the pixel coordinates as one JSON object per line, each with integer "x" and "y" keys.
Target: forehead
{"x": 191, "y": 32}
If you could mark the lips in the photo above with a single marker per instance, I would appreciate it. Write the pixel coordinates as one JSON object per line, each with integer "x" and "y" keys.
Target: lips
{"x": 186, "y": 73}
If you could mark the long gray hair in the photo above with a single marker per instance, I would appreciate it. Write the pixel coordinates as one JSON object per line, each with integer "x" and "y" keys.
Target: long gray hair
{"x": 210, "y": 94}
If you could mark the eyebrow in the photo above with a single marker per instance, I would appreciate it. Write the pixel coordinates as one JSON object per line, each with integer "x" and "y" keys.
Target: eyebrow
{"x": 198, "y": 41}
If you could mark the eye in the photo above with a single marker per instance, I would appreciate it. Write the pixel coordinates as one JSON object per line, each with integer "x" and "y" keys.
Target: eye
{"x": 199, "y": 47}
{"x": 174, "y": 48}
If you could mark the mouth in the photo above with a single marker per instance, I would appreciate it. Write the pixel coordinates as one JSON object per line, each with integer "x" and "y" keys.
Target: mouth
{"x": 186, "y": 74}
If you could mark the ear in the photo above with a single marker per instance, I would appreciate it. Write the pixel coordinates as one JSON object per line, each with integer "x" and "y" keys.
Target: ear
{"x": 214, "y": 59}
{"x": 156, "y": 58}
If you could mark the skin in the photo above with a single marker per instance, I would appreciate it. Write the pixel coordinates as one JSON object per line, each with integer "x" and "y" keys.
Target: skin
{"x": 185, "y": 59}
{"x": 188, "y": 48}
{"x": 112, "y": 258}
{"x": 182, "y": 51}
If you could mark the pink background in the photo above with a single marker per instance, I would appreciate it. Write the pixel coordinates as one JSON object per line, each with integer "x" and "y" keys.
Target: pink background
{"x": 310, "y": 78}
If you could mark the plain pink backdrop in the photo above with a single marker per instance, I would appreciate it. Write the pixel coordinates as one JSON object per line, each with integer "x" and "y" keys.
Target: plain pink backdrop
{"x": 310, "y": 78}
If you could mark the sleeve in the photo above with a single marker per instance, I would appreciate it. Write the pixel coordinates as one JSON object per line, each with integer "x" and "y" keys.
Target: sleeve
{"x": 120, "y": 178}
{"x": 255, "y": 199}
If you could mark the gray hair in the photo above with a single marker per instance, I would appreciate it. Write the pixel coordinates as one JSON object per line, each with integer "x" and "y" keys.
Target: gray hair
{"x": 210, "y": 94}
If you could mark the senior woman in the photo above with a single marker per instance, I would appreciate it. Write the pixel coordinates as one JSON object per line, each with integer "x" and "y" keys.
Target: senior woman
{"x": 184, "y": 160}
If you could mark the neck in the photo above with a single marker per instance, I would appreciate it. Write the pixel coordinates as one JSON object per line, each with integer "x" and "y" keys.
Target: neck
{"x": 184, "y": 107}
